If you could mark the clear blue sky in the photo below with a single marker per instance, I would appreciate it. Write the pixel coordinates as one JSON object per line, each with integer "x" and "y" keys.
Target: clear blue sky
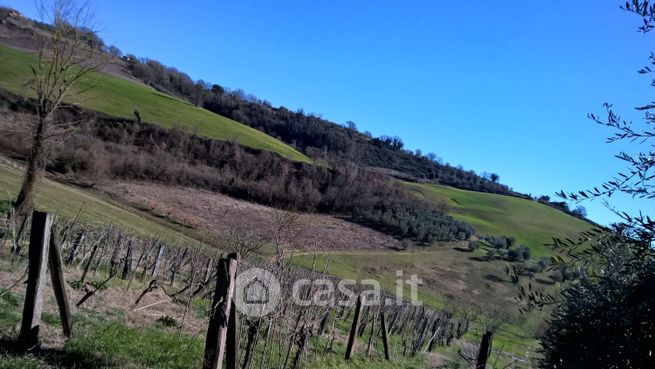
{"x": 494, "y": 86}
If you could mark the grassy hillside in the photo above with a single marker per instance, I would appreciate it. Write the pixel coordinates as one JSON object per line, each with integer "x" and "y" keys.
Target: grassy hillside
{"x": 530, "y": 222}
{"x": 67, "y": 201}
{"x": 119, "y": 97}
{"x": 457, "y": 279}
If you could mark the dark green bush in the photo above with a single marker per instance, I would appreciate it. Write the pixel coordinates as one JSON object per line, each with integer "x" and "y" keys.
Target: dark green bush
{"x": 167, "y": 321}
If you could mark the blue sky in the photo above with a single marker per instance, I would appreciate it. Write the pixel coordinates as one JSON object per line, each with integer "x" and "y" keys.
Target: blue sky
{"x": 502, "y": 87}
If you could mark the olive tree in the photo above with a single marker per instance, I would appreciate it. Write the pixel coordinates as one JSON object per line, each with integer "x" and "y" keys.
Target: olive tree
{"x": 604, "y": 318}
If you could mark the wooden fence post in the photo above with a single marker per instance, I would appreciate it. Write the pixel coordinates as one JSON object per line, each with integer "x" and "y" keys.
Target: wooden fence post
{"x": 221, "y": 307}
{"x": 38, "y": 264}
{"x": 127, "y": 264}
{"x": 59, "y": 283}
{"x": 155, "y": 268}
{"x": 79, "y": 239}
{"x": 113, "y": 262}
{"x": 385, "y": 337}
{"x": 354, "y": 329}
{"x": 233, "y": 338}
{"x": 233, "y": 329}
{"x": 485, "y": 350}
{"x": 88, "y": 264}
{"x": 370, "y": 338}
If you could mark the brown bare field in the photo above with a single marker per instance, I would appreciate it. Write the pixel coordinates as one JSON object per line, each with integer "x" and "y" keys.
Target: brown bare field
{"x": 219, "y": 214}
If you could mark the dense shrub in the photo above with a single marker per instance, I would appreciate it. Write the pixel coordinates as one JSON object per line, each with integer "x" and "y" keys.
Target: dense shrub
{"x": 543, "y": 264}
{"x": 422, "y": 225}
{"x": 521, "y": 253}
{"x": 168, "y": 321}
{"x": 499, "y": 242}
{"x": 605, "y": 319}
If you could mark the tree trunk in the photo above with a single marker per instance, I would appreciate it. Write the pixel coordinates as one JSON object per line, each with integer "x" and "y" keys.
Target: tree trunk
{"x": 36, "y": 162}
{"x": 354, "y": 329}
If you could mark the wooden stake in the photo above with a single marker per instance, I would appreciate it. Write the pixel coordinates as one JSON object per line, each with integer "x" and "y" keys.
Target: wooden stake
{"x": 385, "y": 337}
{"x": 127, "y": 265}
{"x": 485, "y": 350}
{"x": 59, "y": 283}
{"x": 354, "y": 329}
{"x": 221, "y": 306}
{"x": 88, "y": 265}
{"x": 38, "y": 263}
{"x": 155, "y": 268}
{"x": 76, "y": 245}
{"x": 370, "y": 338}
{"x": 233, "y": 338}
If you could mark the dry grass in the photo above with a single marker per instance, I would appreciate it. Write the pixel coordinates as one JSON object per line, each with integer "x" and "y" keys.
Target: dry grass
{"x": 219, "y": 214}
{"x": 115, "y": 300}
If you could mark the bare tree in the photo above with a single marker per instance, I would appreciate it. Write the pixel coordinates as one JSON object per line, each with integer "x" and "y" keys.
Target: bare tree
{"x": 244, "y": 243}
{"x": 64, "y": 57}
{"x": 198, "y": 92}
{"x": 287, "y": 226}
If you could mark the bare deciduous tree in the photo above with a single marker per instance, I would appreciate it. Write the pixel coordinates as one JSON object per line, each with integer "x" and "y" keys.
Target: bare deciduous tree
{"x": 64, "y": 58}
{"x": 287, "y": 226}
{"x": 243, "y": 243}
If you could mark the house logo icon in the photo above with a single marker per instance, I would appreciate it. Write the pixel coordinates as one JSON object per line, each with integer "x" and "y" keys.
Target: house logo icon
{"x": 257, "y": 292}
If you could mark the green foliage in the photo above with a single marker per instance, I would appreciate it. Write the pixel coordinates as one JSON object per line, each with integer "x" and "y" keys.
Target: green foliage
{"x": 76, "y": 284}
{"x": 167, "y": 321}
{"x": 21, "y": 362}
{"x": 50, "y": 318}
{"x": 421, "y": 225}
{"x": 9, "y": 309}
{"x": 201, "y": 307}
{"x": 95, "y": 284}
{"x": 120, "y": 98}
{"x": 521, "y": 253}
{"x": 605, "y": 319}
{"x": 114, "y": 345}
{"x": 361, "y": 362}
{"x": 4, "y": 207}
{"x": 8, "y": 298}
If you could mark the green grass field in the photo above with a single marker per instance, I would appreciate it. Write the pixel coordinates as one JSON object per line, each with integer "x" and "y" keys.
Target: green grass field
{"x": 66, "y": 201}
{"x": 119, "y": 97}
{"x": 530, "y": 222}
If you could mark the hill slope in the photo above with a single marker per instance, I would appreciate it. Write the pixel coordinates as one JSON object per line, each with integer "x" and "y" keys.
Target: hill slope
{"x": 528, "y": 221}
{"x": 67, "y": 201}
{"x": 119, "y": 97}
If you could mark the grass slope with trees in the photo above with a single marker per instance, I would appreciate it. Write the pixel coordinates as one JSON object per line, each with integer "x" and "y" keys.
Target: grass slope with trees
{"x": 120, "y": 97}
{"x": 453, "y": 276}
{"x": 530, "y": 222}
